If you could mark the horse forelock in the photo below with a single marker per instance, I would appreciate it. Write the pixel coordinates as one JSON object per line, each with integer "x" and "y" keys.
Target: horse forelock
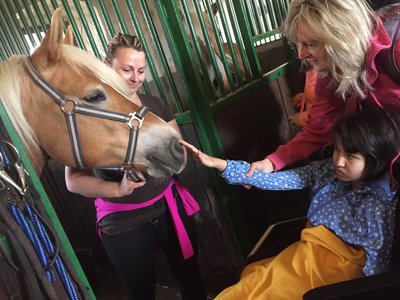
{"x": 84, "y": 60}
{"x": 11, "y": 89}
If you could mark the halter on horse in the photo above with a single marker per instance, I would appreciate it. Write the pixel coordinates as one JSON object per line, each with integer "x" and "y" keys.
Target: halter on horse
{"x": 60, "y": 82}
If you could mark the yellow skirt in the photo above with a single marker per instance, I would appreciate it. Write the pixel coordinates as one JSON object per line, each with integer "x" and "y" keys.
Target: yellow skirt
{"x": 319, "y": 258}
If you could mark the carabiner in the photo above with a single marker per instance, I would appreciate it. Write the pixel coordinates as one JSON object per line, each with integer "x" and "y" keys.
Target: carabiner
{"x": 22, "y": 187}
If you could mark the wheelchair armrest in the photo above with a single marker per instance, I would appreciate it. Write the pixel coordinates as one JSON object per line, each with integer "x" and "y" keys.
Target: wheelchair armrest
{"x": 382, "y": 286}
{"x": 267, "y": 233}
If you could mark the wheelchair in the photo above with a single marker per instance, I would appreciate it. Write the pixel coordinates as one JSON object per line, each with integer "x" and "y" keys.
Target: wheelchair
{"x": 383, "y": 286}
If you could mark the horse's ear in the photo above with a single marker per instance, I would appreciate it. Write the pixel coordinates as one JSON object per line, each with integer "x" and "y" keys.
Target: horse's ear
{"x": 69, "y": 36}
{"x": 50, "y": 48}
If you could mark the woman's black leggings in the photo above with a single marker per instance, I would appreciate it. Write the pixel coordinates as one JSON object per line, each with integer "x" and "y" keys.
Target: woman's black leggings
{"x": 133, "y": 256}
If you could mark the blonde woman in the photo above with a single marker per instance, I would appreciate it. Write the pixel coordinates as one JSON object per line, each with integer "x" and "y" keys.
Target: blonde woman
{"x": 343, "y": 41}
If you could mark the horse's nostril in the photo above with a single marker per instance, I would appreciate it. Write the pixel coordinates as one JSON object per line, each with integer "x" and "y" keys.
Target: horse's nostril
{"x": 177, "y": 149}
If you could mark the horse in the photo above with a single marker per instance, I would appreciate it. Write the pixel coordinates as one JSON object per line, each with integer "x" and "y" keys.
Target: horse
{"x": 92, "y": 122}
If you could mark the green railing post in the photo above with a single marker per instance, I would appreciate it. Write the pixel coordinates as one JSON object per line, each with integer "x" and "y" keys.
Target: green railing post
{"x": 201, "y": 113}
{"x": 244, "y": 27}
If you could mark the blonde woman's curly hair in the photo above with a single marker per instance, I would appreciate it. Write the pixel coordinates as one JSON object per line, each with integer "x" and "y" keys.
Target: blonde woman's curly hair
{"x": 345, "y": 27}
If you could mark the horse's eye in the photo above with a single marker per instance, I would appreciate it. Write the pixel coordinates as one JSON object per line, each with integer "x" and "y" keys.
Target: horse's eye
{"x": 95, "y": 97}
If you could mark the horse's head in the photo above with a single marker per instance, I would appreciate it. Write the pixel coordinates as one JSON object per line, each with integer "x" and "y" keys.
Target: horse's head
{"x": 88, "y": 82}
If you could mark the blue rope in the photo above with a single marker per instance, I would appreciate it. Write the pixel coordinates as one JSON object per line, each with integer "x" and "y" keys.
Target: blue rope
{"x": 6, "y": 161}
{"x": 32, "y": 236}
{"x": 65, "y": 278}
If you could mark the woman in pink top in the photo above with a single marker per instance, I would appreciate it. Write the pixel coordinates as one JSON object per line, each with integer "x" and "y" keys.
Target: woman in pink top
{"x": 341, "y": 40}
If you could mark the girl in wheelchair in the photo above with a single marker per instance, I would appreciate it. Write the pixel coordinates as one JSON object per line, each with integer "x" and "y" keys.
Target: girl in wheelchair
{"x": 351, "y": 217}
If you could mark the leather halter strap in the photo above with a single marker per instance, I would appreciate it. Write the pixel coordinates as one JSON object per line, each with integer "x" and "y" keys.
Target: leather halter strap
{"x": 70, "y": 107}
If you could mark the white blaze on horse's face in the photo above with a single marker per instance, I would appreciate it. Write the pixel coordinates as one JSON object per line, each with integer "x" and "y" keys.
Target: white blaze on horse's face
{"x": 81, "y": 77}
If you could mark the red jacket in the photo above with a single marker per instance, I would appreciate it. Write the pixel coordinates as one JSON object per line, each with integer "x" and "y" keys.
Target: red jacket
{"x": 328, "y": 106}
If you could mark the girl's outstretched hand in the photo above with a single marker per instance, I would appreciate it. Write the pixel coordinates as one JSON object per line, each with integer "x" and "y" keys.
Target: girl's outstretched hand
{"x": 204, "y": 159}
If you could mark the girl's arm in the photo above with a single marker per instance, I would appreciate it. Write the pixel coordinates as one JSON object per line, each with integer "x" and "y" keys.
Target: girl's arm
{"x": 204, "y": 159}
{"x": 234, "y": 172}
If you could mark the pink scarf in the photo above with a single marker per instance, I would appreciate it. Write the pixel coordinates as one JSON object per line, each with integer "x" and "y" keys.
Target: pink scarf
{"x": 105, "y": 208}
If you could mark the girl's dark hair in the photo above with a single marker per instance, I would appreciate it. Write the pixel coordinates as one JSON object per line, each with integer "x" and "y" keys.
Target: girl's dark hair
{"x": 122, "y": 41}
{"x": 374, "y": 133}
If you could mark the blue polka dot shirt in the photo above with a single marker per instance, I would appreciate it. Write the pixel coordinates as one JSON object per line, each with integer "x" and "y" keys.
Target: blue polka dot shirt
{"x": 362, "y": 217}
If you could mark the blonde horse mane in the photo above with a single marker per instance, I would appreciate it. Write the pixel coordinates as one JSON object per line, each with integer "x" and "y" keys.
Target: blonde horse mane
{"x": 13, "y": 80}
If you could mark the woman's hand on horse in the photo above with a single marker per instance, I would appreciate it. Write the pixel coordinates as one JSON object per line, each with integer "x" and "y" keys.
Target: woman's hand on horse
{"x": 126, "y": 186}
{"x": 204, "y": 159}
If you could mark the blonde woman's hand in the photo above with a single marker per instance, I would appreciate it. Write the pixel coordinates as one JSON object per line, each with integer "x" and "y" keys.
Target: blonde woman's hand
{"x": 264, "y": 165}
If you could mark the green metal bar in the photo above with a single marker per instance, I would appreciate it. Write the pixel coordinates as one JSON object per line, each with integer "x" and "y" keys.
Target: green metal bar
{"x": 120, "y": 18}
{"x": 272, "y": 15}
{"x": 254, "y": 14}
{"x": 40, "y": 18}
{"x": 5, "y": 53}
{"x": 278, "y": 13}
{"x": 265, "y": 35}
{"x": 244, "y": 28}
{"x": 238, "y": 39}
{"x": 71, "y": 19}
{"x": 163, "y": 17}
{"x": 220, "y": 48}
{"x": 20, "y": 36}
{"x": 250, "y": 13}
{"x": 31, "y": 18}
{"x": 200, "y": 54}
{"x": 264, "y": 14}
{"x": 161, "y": 55}
{"x": 150, "y": 62}
{"x": 45, "y": 201}
{"x": 205, "y": 124}
{"x": 85, "y": 25}
{"x": 6, "y": 33}
{"x": 12, "y": 41}
{"x": 54, "y": 3}
{"x": 89, "y": 5}
{"x": 106, "y": 17}
{"x": 229, "y": 42}
{"x": 46, "y": 11}
{"x": 25, "y": 23}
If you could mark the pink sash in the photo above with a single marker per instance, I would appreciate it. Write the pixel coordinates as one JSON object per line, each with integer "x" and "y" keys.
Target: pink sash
{"x": 105, "y": 208}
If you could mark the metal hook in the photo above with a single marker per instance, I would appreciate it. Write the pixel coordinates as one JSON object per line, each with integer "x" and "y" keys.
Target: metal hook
{"x": 22, "y": 188}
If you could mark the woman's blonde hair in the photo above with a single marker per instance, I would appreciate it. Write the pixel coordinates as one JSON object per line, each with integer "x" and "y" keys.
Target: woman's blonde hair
{"x": 121, "y": 40}
{"x": 345, "y": 27}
